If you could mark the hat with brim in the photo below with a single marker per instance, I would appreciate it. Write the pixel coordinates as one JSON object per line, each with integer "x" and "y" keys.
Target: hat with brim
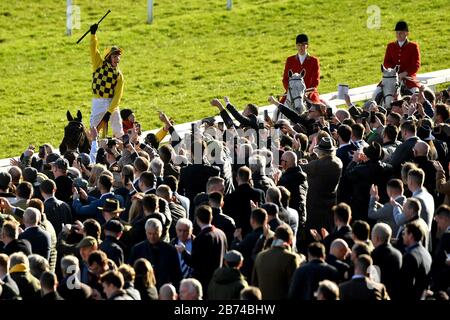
{"x": 111, "y": 205}
{"x": 301, "y": 38}
{"x": 61, "y": 164}
{"x": 326, "y": 144}
{"x": 374, "y": 151}
{"x": 87, "y": 242}
{"x": 401, "y": 26}
{"x": 233, "y": 256}
{"x": 425, "y": 133}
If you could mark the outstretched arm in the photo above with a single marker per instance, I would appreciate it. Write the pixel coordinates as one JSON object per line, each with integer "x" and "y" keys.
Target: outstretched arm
{"x": 96, "y": 58}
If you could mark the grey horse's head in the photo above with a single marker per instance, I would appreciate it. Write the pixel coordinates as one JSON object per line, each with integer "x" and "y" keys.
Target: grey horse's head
{"x": 296, "y": 91}
{"x": 390, "y": 85}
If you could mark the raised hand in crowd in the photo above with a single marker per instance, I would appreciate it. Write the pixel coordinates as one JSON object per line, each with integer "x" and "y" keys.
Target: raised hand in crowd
{"x": 216, "y": 103}
{"x": 79, "y": 193}
{"x": 238, "y": 234}
{"x": 374, "y": 192}
{"x": 438, "y": 166}
{"x": 395, "y": 203}
{"x": 272, "y": 100}
{"x": 316, "y": 236}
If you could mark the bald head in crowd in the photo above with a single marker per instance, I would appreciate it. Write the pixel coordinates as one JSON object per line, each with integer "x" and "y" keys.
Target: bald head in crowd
{"x": 421, "y": 148}
{"x": 290, "y": 159}
{"x": 381, "y": 234}
{"x": 168, "y": 292}
{"x": 31, "y": 217}
{"x": 339, "y": 248}
{"x": 163, "y": 191}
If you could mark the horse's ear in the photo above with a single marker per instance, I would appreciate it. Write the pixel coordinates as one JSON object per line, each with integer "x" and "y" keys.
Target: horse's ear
{"x": 397, "y": 68}
{"x": 69, "y": 116}
{"x": 79, "y": 115}
{"x": 302, "y": 73}
{"x": 290, "y": 73}
{"x": 383, "y": 69}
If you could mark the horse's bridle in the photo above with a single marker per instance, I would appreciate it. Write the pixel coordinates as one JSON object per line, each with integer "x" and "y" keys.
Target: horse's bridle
{"x": 397, "y": 88}
{"x": 290, "y": 94}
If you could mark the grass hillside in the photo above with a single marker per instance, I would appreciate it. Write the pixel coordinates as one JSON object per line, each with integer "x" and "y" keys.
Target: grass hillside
{"x": 195, "y": 50}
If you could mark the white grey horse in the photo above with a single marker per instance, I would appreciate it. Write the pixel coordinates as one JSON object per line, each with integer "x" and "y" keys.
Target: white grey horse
{"x": 295, "y": 96}
{"x": 389, "y": 89}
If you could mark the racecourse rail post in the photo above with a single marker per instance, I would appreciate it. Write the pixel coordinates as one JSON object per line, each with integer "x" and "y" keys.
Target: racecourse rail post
{"x": 150, "y": 11}
{"x": 69, "y": 18}
{"x": 229, "y": 4}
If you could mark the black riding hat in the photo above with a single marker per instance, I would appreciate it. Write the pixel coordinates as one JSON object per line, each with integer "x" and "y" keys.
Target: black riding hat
{"x": 401, "y": 26}
{"x": 301, "y": 38}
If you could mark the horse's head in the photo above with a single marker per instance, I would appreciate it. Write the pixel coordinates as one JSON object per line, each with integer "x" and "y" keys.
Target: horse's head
{"x": 75, "y": 135}
{"x": 296, "y": 91}
{"x": 390, "y": 85}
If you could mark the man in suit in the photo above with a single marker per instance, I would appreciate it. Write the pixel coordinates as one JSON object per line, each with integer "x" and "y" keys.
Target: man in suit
{"x": 221, "y": 220}
{"x": 337, "y": 257}
{"x": 70, "y": 287}
{"x": 238, "y": 203}
{"x": 404, "y": 152}
{"x": 91, "y": 210}
{"x": 384, "y": 213}
{"x": 208, "y": 248}
{"x": 295, "y": 180}
{"x": 414, "y": 275}
{"x": 49, "y": 283}
{"x": 304, "y": 61}
{"x": 147, "y": 183}
{"x": 184, "y": 239}
{"x": 57, "y": 211}
{"x": 9, "y": 236}
{"x": 307, "y": 277}
{"x": 342, "y": 215}
{"x": 274, "y": 267}
{"x": 62, "y": 180}
{"x": 151, "y": 209}
{"x": 409, "y": 213}
{"x": 323, "y": 180}
{"x": 440, "y": 268}
{"x": 176, "y": 210}
{"x": 361, "y": 287}
{"x": 422, "y": 159}
{"x": 113, "y": 230}
{"x": 346, "y": 146}
{"x": 386, "y": 258}
{"x": 40, "y": 239}
{"x": 193, "y": 177}
{"x": 162, "y": 256}
{"x": 416, "y": 178}
{"x": 246, "y": 245}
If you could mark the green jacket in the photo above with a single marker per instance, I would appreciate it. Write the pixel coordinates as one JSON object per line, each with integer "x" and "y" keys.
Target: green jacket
{"x": 226, "y": 284}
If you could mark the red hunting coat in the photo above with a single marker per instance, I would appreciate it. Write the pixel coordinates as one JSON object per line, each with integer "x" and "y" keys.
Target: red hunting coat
{"x": 407, "y": 56}
{"x": 312, "y": 74}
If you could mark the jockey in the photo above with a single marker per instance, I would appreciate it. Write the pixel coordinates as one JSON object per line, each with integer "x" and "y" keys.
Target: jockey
{"x": 303, "y": 61}
{"x": 107, "y": 87}
{"x": 406, "y": 54}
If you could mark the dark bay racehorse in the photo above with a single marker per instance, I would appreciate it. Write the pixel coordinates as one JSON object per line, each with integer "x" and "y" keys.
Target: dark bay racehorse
{"x": 75, "y": 135}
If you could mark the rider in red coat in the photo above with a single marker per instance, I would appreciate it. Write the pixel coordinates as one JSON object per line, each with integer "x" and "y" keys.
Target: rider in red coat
{"x": 404, "y": 53}
{"x": 303, "y": 61}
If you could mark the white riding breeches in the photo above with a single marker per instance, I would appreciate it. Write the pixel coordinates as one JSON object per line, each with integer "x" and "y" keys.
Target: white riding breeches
{"x": 99, "y": 108}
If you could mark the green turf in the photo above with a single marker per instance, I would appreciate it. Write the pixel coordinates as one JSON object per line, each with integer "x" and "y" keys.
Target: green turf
{"x": 195, "y": 50}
